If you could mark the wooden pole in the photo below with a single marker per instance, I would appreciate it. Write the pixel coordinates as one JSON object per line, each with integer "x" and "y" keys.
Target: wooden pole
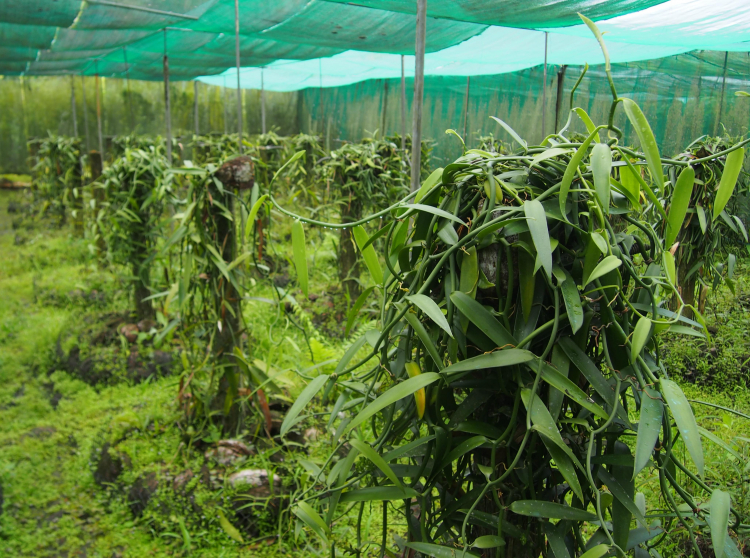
{"x": 85, "y": 113}
{"x": 167, "y": 108}
{"x": 74, "y": 116}
{"x": 237, "y": 60}
{"x": 127, "y": 85}
{"x": 403, "y": 107}
{"x": 196, "y": 114}
{"x": 721, "y": 99}
{"x": 466, "y": 106}
{"x": 99, "y": 114}
{"x": 262, "y": 103}
{"x": 544, "y": 89}
{"x": 385, "y": 109}
{"x": 95, "y": 165}
{"x": 416, "y": 133}
{"x": 224, "y": 102}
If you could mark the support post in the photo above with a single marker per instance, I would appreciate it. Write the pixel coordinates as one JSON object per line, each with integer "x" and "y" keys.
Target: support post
{"x": 403, "y": 107}
{"x": 384, "y": 114}
{"x": 237, "y": 60}
{"x": 466, "y": 106}
{"x": 196, "y": 113}
{"x": 167, "y": 108}
{"x": 262, "y": 103}
{"x": 235, "y": 175}
{"x": 95, "y": 166}
{"x": 544, "y": 89}
{"x": 73, "y": 114}
{"x": 416, "y": 133}
{"x": 224, "y": 102}
{"x": 560, "y": 93}
{"x": 99, "y": 115}
{"x": 127, "y": 85}
{"x": 721, "y": 99}
{"x": 85, "y": 113}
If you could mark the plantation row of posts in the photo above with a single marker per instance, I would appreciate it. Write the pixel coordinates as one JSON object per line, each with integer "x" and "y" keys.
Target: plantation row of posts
{"x": 520, "y": 294}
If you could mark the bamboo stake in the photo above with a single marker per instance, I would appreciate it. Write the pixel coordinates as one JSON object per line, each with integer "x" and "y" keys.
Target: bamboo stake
{"x": 721, "y": 99}
{"x": 99, "y": 112}
{"x": 196, "y": 113}
{"x": 167, "y": 108}
{"x": 85, "y": 113}
{"x": 262, "y": 103}
{"x": 73, "y": 105}
{"x": 466, "y": 106}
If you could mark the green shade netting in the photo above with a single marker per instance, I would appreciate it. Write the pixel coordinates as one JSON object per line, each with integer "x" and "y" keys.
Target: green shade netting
{"x": 515, "y": 13}
{"x": 32, "y": 36}
{"x": 346, "y": 26}
{"x": 679, "y": 106}
{"x": 56, "y": 13}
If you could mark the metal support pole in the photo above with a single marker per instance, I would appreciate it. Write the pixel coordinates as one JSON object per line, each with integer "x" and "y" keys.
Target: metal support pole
{"x": 127, "y": 84}
{"x": 721, "y": 99}
{"x": 196, "y": 114}
{"x": 262, "y": 103}
{"x": 237, "y": 60}
{"x": 167, "y": 108}
{"x": 560, "y": 92}
{"x": 85, "y": 113}
{"x": 466, "y": 106}
{"x": 74, "y": 116}
{"x": 99, "y": 113}
{"x": 544, "y": 89}
{"x": 403, "y": 107}
{"x": 416, "y": 133}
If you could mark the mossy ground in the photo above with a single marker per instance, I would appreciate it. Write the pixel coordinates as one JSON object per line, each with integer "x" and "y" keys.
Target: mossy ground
{"x": 54, "y": 425}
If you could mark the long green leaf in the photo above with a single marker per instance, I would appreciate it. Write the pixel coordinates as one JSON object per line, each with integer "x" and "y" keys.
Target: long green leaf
{"x": 304, "y": 398}
{"x": 566, "y": 386}
{"x": 378, "y": 493}
{"x": 433, "y": 210}
{"x": 680, "y": 201}
{"x": 496, "y": 359}
{"x": 306, "y": 513}
{"x": 428, "y": 184}
{"x": 550, "y": 510}
{"x": 438, "y": 551}
{"x": 588, "y": 369}
{"x": 649, "y": 427}
{"x": 685, "y": 420}
{"x": 430, "y": 307}
{"x": 395, "y": 393}
{"x": 601, "y": 167}
{"x": 602, "y": 268}
{"x": 596, "y": 552}
{"x": 572, "y": 169}
{"x": 719, "y": 520}
{"x": 548, "y": 154}
{"x": 376, "y": 459}
{"x": 483, "y": 319}
{"x": 641, "y": 333}
{"x": 358, "y": 304}
{"x": 300, "y": 254}
{"x": 586, "y": 119}
{"x": 349, "y": 354}
{"x": 511, "y": 131}
{"x": 619, "y": 492}
{"x": 732, "y": 168}
{"x": 572, "y": 299}
{"x": 253, "y": 212}
{"x": 369, "y": 255}
{"x": 537, "y": 221}
{"x": 647, "y": 140}
{"x": 228, "y": 528}
{"x": 421, "y": 332}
